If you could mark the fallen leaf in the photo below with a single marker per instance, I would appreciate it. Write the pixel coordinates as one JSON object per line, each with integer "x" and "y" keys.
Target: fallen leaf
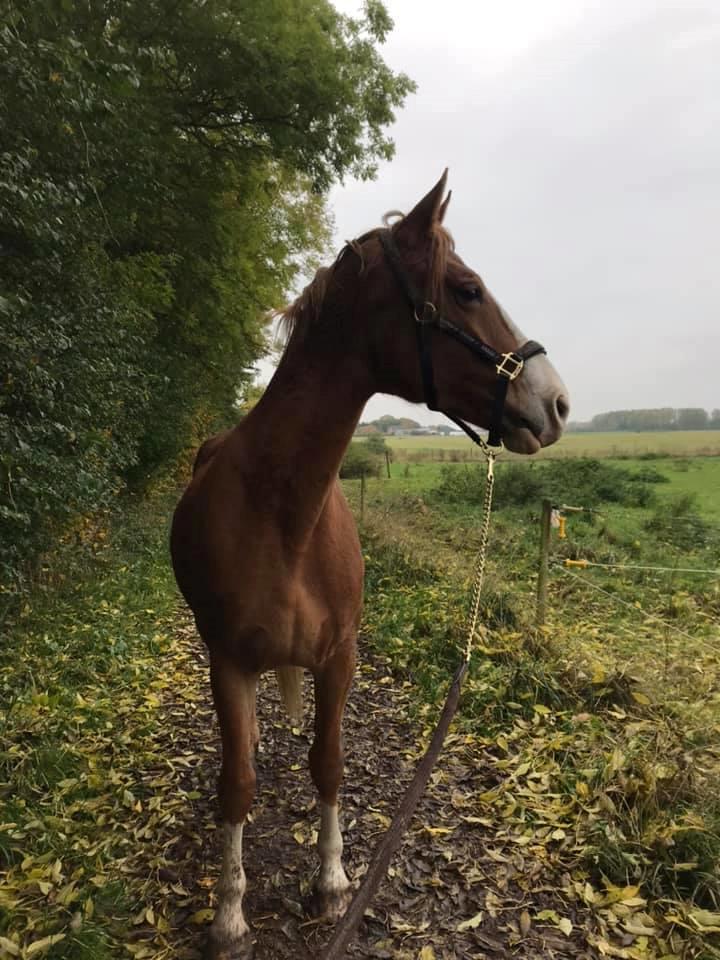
{"x": 471, "y": 923}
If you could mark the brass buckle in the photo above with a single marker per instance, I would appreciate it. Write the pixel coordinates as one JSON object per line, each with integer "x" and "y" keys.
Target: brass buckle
{"x": 428, "y": 313}
{"x": 511, "y": 372}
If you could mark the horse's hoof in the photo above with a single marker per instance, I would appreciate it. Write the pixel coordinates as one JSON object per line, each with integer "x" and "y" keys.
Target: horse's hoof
{"x": 329, "y": 906}
{"x": 242, "y": 949}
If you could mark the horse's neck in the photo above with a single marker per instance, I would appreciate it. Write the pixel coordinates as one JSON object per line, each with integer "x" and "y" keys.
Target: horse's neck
{"x": 300, "y": 429}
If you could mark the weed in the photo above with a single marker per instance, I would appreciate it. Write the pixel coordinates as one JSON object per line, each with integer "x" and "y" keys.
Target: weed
{"x": 586, "y": 482}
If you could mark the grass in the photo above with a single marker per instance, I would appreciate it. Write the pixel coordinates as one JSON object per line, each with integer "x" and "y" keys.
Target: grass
{"x": 634, "y": 654}
{"x": 603, "y": 727}
{"x": 80, "y": 659}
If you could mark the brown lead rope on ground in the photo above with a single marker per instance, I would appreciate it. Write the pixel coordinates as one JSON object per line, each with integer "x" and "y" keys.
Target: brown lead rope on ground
{"x": 346, "y": 928}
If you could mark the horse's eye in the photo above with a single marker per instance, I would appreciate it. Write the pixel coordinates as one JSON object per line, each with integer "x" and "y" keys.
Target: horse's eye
{"x": 470, "y": 294}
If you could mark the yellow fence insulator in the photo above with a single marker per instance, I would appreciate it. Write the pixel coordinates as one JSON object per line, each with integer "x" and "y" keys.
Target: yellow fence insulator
{"x": 577, "y": 563}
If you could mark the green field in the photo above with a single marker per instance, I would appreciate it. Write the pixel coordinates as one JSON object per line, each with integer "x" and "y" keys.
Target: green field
{"x": 688, "y": 443}
{"x": 698, "y": 477}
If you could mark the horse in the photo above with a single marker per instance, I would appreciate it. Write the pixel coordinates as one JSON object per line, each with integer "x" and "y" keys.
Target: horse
{"x": 264, "y": 546}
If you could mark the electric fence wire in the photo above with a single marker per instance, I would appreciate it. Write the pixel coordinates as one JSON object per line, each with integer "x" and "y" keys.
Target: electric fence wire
{"x": 636, "y": 608}
{"x": 632, "y": 566}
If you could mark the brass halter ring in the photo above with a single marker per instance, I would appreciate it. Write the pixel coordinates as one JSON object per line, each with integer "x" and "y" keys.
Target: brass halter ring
{"x": 426, "y": 318}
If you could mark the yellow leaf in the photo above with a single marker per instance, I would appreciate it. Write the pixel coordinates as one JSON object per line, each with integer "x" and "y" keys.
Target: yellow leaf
{"x": 640, "y": 698}
{"x": 202, "y": 916}
{"x": 471, "y": 923}
{"x": 598, "y": 675}
{"x": 588, "y": 893}
{"x": 485, "y": 821}
{"x": 40, "y": 946}
{"x": 525, "y": 922}
{"x": 427, "y": 953}
{"x": 548, "y": 915}
{"x": 437, "y": 831}
{"x": 639, "y": 929}
{"x": 565, "y": 925}
{"x": 9, "y": 947}
{"x": 705, "y": 920}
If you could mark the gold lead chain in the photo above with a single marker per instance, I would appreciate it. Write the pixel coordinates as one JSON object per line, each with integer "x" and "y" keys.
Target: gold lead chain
{"x": 482, "y": 553}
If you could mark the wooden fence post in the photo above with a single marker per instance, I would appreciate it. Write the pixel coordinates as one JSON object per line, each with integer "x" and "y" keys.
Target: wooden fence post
{"x": 387, "y": 462}
{"x": 542, "y": 582}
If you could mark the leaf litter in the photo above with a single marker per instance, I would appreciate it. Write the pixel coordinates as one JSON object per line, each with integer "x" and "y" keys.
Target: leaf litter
{"x": 125, "y": 846}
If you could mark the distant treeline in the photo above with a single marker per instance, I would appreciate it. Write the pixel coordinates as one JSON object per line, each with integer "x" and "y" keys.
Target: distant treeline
{"x": 388, "y": 424}
{"x": 659, "y": 418}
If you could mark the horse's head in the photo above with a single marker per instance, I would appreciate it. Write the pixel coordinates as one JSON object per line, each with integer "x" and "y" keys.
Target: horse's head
{"x": 432, "y": 318}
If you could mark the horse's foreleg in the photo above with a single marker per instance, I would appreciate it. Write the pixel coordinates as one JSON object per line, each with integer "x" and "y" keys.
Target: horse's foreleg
{"x": 234, "y": 695}
{"x": 332, "y": 685}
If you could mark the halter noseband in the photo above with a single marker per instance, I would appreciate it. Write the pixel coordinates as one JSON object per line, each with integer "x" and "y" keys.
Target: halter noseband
{"x": 508, "y": 366}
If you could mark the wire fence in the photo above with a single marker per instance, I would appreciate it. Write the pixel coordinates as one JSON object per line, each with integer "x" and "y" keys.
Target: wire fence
{"x": 643, "y": 602}
{"x": 657, "y": 622}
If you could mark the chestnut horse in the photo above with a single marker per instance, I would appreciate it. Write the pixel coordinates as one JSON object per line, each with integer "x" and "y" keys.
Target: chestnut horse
{"x": 264, "y": 546}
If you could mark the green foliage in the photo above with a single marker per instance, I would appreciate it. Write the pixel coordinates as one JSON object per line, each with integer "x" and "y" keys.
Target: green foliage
{"x": 649, "y": 475}
{"x": 580, "y": 482}
{"x": 676, "y": 520}
{"x": 359, "y": 461}
{"x": 161, "y": 181}
{"x": 377, "y": 446}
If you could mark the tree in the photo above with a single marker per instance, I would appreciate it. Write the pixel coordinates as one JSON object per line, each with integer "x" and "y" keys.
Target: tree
{"x": 359, "y": 461}
{"x": 249, "y": 396}
{"x": 692, "y": 418}
{"x": 161, "y": 185}
{"x": 378, "y": 445}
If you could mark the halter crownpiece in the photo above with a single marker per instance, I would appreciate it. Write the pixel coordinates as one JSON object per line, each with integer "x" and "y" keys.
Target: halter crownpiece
{"x": 508, "y": 366}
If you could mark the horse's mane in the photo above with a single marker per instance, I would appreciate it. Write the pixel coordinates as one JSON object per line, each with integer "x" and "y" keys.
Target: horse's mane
{"x": 305, "y": 311}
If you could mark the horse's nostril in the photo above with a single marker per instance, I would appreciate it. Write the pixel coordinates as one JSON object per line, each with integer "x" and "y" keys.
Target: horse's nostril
{"x": 562, "y": 406}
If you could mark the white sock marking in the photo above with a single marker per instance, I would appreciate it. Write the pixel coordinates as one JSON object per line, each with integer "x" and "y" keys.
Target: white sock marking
{"x": 229, "y": 922}
{"x": 330, "y": 847}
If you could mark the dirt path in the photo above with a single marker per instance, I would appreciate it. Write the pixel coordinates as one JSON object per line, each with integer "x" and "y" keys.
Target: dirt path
{"x": 455, "y": 890}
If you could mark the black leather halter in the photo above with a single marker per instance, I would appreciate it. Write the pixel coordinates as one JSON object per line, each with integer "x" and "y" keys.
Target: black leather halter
{"x": 508, "y": 366}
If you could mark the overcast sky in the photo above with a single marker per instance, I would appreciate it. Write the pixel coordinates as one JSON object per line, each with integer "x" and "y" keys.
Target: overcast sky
{"x": 583, "y": 141}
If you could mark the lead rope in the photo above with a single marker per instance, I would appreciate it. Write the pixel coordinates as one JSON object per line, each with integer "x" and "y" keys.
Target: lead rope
{"x": 347, "y": 926}
{"x": 490, "y": 456}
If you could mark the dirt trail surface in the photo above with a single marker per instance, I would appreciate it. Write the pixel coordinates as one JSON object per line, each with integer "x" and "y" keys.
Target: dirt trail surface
{"x": 458, "y": 888}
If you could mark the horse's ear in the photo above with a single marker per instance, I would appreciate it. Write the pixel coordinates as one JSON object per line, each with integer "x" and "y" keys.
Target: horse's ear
{"x": 443, "y": 207}
{"x": 429, "y": 211}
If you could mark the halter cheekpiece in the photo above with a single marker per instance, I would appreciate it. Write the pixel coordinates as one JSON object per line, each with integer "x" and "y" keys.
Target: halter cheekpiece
{"x": 508, "y": 366}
